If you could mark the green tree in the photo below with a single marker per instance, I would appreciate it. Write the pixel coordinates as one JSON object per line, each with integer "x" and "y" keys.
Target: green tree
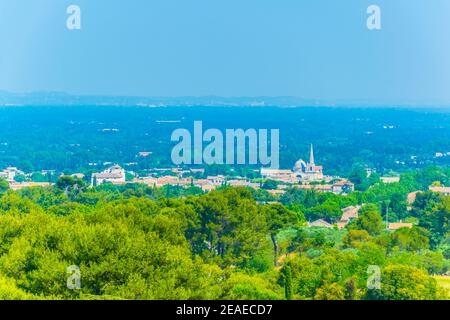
{"x": 436, "y": 221}
{"x": 4, "y": 186}
{"x": 369, "y": 219}
{"x": 286, "y": 273}
{"x": 270, "y": 185}
{"x": 351, "y": 290}
{"x": 400, "y": 282}
{"x": 330, "y": 291}
{"x": 241, "y": 286}
{"x": 278, "y": 218}
{"x": 355, "y": 237}
{"x": 414, "y": 239}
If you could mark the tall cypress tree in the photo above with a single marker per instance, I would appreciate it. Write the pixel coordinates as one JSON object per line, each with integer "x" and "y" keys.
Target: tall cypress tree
{"x": 287, "y": 279}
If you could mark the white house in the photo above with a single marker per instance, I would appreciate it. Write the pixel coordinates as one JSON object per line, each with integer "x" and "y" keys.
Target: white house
{"x": 444, "y": 190}
{"x": 10, "y": 173}
{"x": 114, "y": 174}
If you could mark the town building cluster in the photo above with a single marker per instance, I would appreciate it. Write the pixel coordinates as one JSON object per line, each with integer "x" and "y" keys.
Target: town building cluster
{"x": 308, "y": 175}
{"x": 305, "y": 175}
{"x": 10, "y": 174}
{"x": 114, "y": 174}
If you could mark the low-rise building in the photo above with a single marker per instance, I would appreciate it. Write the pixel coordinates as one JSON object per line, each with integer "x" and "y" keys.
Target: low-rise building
{"x": 144, "y": 154}
{"x": 276, "y": 192}
{"x": 323, "y": 187}
{"x": 208, "y": 187}
{"x": 410, "y": 199}
{"x": 78, "y": 176}
{"x": 348, "y": 214}
{"x": 198, "y": 170}
{"x": 343, "y": 187}
{"x": 390, "y": 179}
{"x": 242, "y": 183}
{"x": 114, "y": 174}
{"x": 150, "y": 181}
{"x": 320, "y": 224}
{"x": 286, "y": 176}
{"x": 10, "y": 173}
{"x": 398, "y": 225}
{"x": 216, "y": 180}
{"x": 28, "y": 184}
{"x": 167, "y": 180}
{"x": 444, "y": 190}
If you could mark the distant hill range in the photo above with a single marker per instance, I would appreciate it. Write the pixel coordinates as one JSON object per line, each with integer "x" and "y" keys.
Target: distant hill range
{"x": 64, "y": 99}
{"x": 60, "y": 99}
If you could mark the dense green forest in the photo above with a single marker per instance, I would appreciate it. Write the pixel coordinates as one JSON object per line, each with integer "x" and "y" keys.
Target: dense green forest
{"x": 135, "y": 242}
{"x": 70, "y": 138}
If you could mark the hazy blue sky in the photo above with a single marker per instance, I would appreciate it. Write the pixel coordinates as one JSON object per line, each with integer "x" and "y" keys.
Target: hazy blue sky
{"x": 312, "y": 49}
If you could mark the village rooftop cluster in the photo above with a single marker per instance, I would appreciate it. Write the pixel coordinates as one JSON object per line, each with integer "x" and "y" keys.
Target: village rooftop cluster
{"x": 304, "y": 175}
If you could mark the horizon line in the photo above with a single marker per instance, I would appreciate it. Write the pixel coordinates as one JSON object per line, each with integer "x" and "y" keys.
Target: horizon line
{"x": 283, "y": 101}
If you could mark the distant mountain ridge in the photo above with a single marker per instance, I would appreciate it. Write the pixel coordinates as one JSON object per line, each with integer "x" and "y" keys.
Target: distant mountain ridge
{"x": 58, "y": 98}
{"x": 65, "y": 99}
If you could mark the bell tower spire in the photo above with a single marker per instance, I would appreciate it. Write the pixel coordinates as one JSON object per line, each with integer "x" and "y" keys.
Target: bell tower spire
{"x": 311, "y": 155}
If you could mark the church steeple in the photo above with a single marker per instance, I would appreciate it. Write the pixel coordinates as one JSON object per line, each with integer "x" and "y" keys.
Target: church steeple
{"x": 311, "y": 155}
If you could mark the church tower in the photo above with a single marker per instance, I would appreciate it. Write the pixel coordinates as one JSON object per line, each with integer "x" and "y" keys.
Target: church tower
{"x": 308, "y": 171}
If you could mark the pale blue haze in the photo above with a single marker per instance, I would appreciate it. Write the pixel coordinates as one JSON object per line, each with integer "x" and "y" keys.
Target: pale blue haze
{"x": 312, "y": 49}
